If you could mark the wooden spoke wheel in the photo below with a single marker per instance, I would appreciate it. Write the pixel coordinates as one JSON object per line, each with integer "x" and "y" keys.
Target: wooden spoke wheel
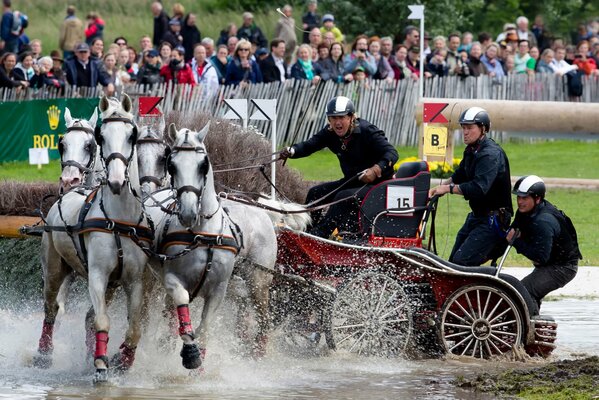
{"x": 480, "y": 321}
{"x": 371, "y": 316}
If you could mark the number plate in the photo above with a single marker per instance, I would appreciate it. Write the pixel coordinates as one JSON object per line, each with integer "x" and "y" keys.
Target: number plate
{"x": 400, "y": 197}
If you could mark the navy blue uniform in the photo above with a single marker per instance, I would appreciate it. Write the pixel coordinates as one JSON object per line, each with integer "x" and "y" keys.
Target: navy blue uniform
{"x": 364, "y": 147}
{"x": 484, "y": 179}
{"x": 549, "y": 240}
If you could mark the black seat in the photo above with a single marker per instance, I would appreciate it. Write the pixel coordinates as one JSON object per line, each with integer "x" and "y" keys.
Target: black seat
{"x": 408, "y": 189}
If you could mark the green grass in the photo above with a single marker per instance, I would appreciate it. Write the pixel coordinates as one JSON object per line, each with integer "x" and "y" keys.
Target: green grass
{"x": 131, "y": 18}
{"x": 22, "y": 171}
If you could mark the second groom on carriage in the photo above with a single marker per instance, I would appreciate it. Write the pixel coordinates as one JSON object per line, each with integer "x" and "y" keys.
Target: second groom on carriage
{"x": 365, "y": 157}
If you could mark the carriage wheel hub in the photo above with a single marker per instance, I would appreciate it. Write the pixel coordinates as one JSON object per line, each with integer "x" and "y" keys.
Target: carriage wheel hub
{"x": 481, "y": 329}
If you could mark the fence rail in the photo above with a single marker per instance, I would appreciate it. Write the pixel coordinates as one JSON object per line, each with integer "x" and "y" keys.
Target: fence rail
{"x": 300, "y": 105}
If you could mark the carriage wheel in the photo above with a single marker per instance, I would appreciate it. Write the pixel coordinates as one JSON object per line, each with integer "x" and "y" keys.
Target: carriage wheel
{"x": 480, "y": 321}
{"x": 371, "y": 316}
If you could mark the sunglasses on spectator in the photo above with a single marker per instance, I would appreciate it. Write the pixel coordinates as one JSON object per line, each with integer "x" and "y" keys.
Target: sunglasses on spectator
{"x": 121, "y": 43}
{"x": 244, "y": 49}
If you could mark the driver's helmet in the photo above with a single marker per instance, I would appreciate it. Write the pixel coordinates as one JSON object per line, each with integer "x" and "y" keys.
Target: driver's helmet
{"x": 478, "y": 116}
{"x": 339, "y": 106}
{"x": 529, "y": 185}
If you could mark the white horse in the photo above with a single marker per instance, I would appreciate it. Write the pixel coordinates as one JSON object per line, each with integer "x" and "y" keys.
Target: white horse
{"x": 205, "y": 240}
{"x": 151, "y": 153}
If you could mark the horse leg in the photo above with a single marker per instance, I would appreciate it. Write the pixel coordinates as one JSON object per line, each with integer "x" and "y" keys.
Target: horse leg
{"x": 169, "y": 314}
{"x": 259, "y": 283}
{"x": 124, "y": 359}
{"x": 98, "y": 282}
{"x": 90, "y": 331}
{"x": 55, "y": 271}
{"x": 211, "y": 304}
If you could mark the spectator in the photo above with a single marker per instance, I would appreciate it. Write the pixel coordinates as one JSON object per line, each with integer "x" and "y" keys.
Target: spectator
{"x": 259, "y": 56}
{"x": 173, "y": 35}
{"x": 229, "y": 32}
{"x": 507, "y": 28}
{"x": 439, "y": 43}
{"x": 310, "y": 20}
{"x": 203, "y": 71}
{"x": 524, "y": 33}
{"x": 544, "y": 65}
{"x": 165, "y": 51}
{"x": 332, "y": 68}
{"x": 176, "y": 70}
{"x": 399, "y": 63}
{"x": 208, "y": 44}
{"x": 45, "y": 71}
{"x": 7, "y": 65}
{"x": 360, "y": 56}
{"x": 220, "y": 61}
{"x": 582, "y": 60}
{"x": 531, "y": 64}
{"x": 131, "y": 65}
{"x": 466, "y": 44}
{"x": 11, "y": 27}
{"x": 120, "y": 41}
{"x": 452, "y": 54}
{"x": 232, "y": 45}
{"x": 485, "y": 39}
{"x": 491, "y": 62}
{"x": 251, "y": 32}
{"x": 118, "y": 77}
{"x": 95, "y": 28}
{"x": 97, "y": 49}
{"x": 36, "y": 49}
{"x": 57, "y": 66}
{"x": 328, "y": 25}
{"x": 122, "y": 63}
{"x": 274, "y": 67}
{"x": 314, "y": 40}
{"x": 476, "y": 67}
{"x": 161, "y": 21}
{"x": 242, "y": 70}
{"x": 360, "y": 75}
{"x": 323, "y": 52}
{"x": 71, "y": 33}
{"x": 383, "y": 69}
{"x": 413, "y": 62}
{"x": 23, "y": 71}
{"x": 570, "y": 54}
{"x": 145, "y": 44}
{"x": 285, "y": 30}
{"x": 149, "y": 72}
{"x": 412, "y": 37}
{"x": 191, "y": 35}
{"x": 538, "y": 30}
{"x": 510, "y": 64}
{"x": 178, "y": 12}
{"x": 328, "y": 39}
{"x": 522, "y": 57}
{"x": 437, "y": 65}
{"x": 304, "y": 68}
{"x": 81, "y": 71}
{"x": 387, "y": 47}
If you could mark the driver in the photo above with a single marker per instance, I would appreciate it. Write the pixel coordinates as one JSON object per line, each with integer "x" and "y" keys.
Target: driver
{"x": 544, "y": 235}
{"x": 365, "y": 157}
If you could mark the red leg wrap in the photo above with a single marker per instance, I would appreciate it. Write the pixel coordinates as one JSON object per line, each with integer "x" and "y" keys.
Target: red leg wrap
{"x": 185, "y": 327}
{"x": 45, "y": 343}
{"x": 127, "y": 356}
{"x": 101, "y": 344}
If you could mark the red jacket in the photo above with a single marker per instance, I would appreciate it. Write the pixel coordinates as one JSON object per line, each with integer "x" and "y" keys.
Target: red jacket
{"x": 587, "y": 66}
{"x": 184, "y": 75}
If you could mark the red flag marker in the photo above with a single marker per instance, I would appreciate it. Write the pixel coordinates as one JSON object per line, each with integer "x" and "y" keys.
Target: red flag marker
{"x": 148, "y": 105}
{"x": 432, "y": 113}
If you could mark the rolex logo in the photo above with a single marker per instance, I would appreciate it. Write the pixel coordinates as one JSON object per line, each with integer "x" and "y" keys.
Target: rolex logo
{"x": 53, "y": 117}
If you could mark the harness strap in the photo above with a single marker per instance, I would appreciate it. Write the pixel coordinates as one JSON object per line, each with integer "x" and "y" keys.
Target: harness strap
{"x": 195, "y": 239}
{"x": 89, "y": 200}
{"x": 204, "y": 274}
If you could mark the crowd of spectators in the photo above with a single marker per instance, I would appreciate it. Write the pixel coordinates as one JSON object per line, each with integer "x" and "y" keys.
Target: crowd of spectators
{"x": 315, "y": 50}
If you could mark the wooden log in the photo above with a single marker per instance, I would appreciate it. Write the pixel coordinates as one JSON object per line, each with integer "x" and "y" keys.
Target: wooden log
{"x": 10, "y": 225}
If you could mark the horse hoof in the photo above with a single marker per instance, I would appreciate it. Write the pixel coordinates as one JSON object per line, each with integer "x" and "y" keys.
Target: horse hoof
{"x": 43, "y": 361}
{"x": 190, "y": 353}
{"x": 101, "y": 376}
{"x": 123, "y": 360}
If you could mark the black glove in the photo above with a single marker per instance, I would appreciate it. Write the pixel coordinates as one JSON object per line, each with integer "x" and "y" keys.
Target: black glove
{"x": 286, "y": 153}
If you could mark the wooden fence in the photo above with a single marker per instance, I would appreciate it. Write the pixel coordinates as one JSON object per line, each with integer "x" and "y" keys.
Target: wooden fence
{"x": 301, "y": 105}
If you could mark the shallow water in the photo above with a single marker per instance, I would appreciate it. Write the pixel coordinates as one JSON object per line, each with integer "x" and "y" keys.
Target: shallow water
{"x": 157, "y": 375}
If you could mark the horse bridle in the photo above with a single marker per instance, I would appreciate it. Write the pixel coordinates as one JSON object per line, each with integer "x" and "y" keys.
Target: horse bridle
{"x": 150, "y": 178}
{"x": 115, "y": 156}
{"x": 72, "y": 163}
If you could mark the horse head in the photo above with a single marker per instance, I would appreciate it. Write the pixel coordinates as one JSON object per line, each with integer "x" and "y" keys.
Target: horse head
{"x": 191, "y": 173}
{"x": 117, "y": 138}
{"x": 77, "y": 150}
{"x": 152, "y": 151}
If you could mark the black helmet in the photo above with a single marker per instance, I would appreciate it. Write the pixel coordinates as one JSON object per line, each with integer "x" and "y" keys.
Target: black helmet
{"x": 339, "y": 106}
{"x": 529, "y": 185}
{"x": 476, "y": 115}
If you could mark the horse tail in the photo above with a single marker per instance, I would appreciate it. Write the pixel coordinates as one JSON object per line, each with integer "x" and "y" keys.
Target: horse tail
{"x": 297, "y": 221}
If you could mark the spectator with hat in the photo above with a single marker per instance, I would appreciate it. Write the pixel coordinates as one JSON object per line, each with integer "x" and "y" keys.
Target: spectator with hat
{"x": 251, "y": 32}
{"x": 57, "y": 64}
{"x": 81, "y": 71}
{"x": 328, "y": 25}
{"x": 285, "y": 30}
{"x": 71, "y": 33}
{"x": 176, "y": 70}
{"x": 149, "y": 72}
{"x": 173, "y": 35}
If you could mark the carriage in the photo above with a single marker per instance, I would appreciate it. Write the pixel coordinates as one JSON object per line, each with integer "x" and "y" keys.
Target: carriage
{"x": 385, "y": 294}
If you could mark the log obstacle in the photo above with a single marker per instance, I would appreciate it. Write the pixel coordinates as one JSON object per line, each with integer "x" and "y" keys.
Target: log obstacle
{"x": 10, "y": 225}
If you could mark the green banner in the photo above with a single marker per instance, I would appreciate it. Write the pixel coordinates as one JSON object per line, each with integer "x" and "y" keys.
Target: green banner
{"x": 37, "y": 124}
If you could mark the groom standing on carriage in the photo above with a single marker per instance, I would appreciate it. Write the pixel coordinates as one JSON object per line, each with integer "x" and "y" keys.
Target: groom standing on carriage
{"x": 365, "y": 156}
